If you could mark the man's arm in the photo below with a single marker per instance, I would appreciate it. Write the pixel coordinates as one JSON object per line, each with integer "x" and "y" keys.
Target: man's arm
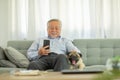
{"x": 37, "y": 49}
{"x": 32, "y": 52}
{"x": 71, "y": 47}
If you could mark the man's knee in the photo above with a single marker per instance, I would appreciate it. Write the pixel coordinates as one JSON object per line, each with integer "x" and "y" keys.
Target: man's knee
{"x": 61, "y": 56}
{"x": 61, "y": 62}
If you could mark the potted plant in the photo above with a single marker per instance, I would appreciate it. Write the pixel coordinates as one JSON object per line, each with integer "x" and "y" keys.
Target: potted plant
{"x": 113, "y": 70}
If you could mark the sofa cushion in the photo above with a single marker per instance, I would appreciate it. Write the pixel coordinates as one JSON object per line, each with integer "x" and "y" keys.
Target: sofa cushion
{"x": 102, "y": 67}
{"x": 6, "y": 63}
{"x": 2, "y": 55}
{"x": 3, "y": 61}
{"x": 16, "y": 57}
{"x": 9, "y": 70}
{"x": 21, "y": 45}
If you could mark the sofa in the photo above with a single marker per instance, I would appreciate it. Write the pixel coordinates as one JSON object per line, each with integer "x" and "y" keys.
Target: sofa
{"x": 95, "y": 52}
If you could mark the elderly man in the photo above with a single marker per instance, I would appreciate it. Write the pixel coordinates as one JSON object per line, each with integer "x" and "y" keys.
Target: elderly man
{"x": 55, "y": 56}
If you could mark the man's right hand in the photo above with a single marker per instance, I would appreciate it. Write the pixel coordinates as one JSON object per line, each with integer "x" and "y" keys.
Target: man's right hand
{"x": 44, "y": 51}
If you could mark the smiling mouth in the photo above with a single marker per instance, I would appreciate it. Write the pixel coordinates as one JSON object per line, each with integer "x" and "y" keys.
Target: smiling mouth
{"x": 54, "y": 33}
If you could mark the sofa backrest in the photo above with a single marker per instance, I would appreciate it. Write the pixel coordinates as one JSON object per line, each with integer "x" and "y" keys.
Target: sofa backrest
{"x": 20, "y": 45}
{"x": 97, "y": 51}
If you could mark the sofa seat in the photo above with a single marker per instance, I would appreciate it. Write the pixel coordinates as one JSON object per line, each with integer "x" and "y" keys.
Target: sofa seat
{"x": 8, "y": 69}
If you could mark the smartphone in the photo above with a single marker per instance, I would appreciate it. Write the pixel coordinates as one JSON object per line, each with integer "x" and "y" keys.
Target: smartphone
{"x": 46, "y": 43}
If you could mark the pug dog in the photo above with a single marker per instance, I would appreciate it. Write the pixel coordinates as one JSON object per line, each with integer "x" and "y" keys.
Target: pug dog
{"x": 75, "y": 60}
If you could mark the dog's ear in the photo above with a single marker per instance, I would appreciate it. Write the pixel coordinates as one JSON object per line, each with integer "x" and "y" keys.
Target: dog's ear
{"x": 80, "y": 54}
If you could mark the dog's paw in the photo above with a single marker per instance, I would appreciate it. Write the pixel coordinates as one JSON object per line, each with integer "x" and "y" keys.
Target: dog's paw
{"x": 82, "y": 66}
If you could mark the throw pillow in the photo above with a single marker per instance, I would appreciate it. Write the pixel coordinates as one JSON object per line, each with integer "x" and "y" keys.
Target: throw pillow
{"x": 16, "y": 57}
{"x": 3, "y": 60}
{"x": 6, "y": 63}
{"x": 2, "y": 55}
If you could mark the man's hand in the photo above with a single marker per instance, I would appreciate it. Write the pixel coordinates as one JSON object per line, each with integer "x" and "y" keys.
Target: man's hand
{"x": 44, "y": 51}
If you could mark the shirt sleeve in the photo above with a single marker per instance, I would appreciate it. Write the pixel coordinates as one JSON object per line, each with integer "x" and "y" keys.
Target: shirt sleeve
{"x": 70, "y": 47}
{"x": 32, "y": 52}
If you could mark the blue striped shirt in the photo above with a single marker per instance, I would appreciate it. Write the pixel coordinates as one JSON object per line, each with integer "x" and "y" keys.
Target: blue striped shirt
{"x": 58, "y": 45}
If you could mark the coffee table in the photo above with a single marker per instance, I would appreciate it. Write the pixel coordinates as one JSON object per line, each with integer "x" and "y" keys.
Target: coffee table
{"x": 48, "y": 76}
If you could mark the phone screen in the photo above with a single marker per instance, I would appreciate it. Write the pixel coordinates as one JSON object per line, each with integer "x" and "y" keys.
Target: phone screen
{"x": 46, "y": 43}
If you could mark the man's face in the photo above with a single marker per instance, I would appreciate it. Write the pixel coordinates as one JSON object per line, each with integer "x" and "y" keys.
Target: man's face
{"x": 54, "y": 29}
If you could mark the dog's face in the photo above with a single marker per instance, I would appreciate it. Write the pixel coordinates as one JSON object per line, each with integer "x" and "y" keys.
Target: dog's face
{"x": 74, "y": 57}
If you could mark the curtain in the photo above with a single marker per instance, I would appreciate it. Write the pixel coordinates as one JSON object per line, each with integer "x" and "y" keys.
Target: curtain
{"x": 80, "y": 18}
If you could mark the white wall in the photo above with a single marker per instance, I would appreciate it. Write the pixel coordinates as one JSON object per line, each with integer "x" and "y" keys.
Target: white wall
{"x": 3, "y": 22}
